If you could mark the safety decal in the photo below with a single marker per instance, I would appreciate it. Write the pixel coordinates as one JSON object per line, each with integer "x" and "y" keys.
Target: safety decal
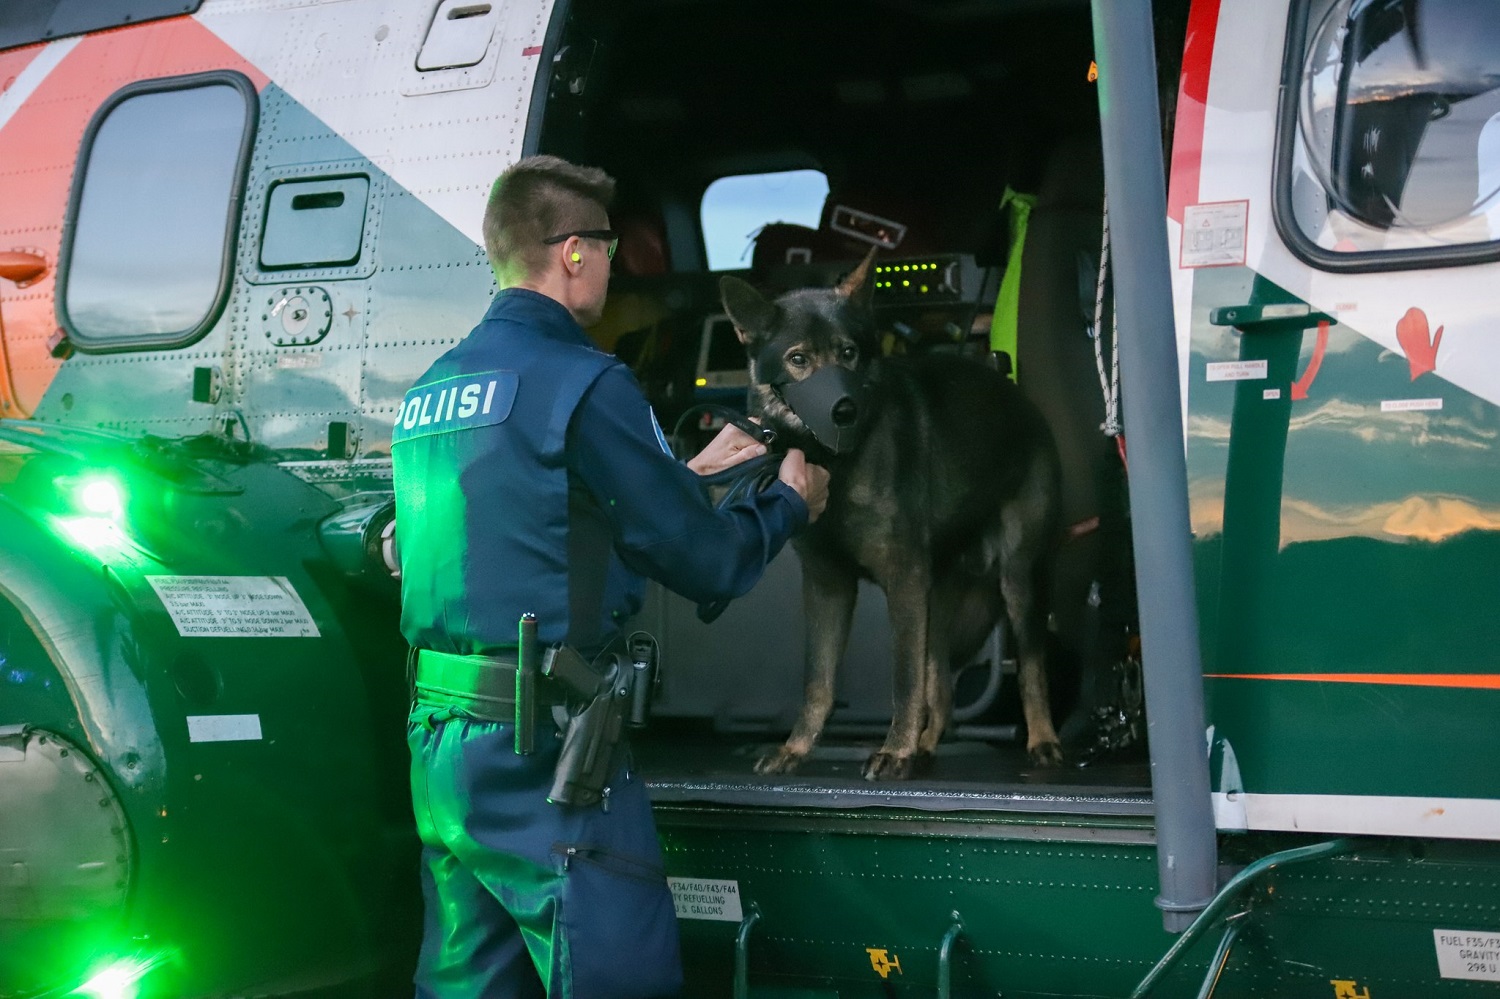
{"x": 223, "y": 728}
{"x": 234, "y": 607}
{"x": 884, "y": 962}
{"x": 1237, "y": 371}
{"x": 1408, "y": 405}
{"x": 458, "y": 403}
{"x": 1345, "y": 989}
{"x": 1471, "y": 954}
{"x": 1213, "y": 235}
{"x": 696, "y": 898}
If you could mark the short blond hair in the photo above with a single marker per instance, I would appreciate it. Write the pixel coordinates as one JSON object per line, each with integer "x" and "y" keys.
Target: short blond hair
{"x": 540, "y": 197}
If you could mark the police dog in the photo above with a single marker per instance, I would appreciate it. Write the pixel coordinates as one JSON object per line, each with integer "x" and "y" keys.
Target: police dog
{"x": 943, "y": 491}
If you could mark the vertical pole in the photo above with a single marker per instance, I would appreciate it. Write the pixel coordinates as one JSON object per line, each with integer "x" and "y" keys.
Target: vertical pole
{"x": 1129, "y": 117}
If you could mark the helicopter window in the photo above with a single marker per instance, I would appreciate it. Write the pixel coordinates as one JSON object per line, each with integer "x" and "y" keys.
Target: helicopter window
{"x": 735, "y": 208}
{"x": 152, "y": 219}
{"x": 314, "y": 223}
{"x": 1390, "y": 153}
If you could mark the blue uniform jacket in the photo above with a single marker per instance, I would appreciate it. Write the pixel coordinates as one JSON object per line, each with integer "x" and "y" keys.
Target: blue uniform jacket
{"x": 531, "y": 477}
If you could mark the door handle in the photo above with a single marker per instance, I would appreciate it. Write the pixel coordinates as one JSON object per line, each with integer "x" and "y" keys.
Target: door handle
{"x": 1270, "y": 318}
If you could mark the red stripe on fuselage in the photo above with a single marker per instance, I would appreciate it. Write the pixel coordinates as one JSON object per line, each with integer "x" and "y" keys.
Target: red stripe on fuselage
{"x": 38, "y": 146}
{"x": 1192, "y": 106}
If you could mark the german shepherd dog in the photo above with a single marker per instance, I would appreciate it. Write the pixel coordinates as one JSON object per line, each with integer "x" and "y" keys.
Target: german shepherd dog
{"x": 943, "y": 491}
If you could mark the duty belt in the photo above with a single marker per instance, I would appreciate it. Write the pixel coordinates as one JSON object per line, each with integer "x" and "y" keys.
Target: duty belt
{"x": 484, "y": 686}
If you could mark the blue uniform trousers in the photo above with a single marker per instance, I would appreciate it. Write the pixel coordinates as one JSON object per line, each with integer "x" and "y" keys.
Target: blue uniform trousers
{"x": 523, "y": 898}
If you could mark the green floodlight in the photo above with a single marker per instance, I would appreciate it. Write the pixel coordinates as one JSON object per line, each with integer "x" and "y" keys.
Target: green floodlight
{"x": 120, "y": 980}
{"x": 101, "y": 496}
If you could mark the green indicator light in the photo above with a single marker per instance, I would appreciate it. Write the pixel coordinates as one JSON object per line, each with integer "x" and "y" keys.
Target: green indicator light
{"x": 906, "y": 284}
{"x": 924, "y": 289}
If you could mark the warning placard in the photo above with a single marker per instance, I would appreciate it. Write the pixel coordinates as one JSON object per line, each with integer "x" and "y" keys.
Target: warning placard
{"x": 234, "y": 606}
{"x": 699, "y": 899}
{"x": 1471, "y": 954}
{"x": 1213, "y": 235}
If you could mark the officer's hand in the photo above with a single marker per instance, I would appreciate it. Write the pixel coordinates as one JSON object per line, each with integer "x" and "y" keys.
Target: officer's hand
{"x": 731, "y": 447}
{"x": 810, "y": 481}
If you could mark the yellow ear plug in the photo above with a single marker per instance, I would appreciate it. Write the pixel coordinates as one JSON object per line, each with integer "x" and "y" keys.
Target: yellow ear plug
{"x": 576, "y": 258}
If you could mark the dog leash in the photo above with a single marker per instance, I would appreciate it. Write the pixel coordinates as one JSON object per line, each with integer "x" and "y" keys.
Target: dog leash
{"x": 745, "y": 479}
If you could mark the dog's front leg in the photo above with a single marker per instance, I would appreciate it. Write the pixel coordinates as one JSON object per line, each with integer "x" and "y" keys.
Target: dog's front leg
{"x": 908, "y": 600}
{"x": 938, "y": 692}
{"x": 828, "y": 593}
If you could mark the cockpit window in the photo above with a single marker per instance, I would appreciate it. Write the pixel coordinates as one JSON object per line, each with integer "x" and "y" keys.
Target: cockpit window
{"x": 152, "y": 220}
{"x": 1392, "y": 156}
{"x": 735, "y": 208}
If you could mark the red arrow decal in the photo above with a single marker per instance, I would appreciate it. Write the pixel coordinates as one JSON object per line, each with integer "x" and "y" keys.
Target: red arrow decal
{"x": 1301, "y": 385}
{"x": 1411, "y": 333}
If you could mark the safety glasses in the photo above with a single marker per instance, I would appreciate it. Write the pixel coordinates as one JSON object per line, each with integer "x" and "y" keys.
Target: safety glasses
{"x": 608, "y": 235}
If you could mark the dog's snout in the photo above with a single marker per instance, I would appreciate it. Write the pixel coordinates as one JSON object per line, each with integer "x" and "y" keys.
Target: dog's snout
{"x": 845, "y": 412}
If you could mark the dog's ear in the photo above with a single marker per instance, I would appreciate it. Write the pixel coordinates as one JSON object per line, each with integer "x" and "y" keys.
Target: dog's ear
{"x": 752, "y": 315}
{"x": 857, "y": 287}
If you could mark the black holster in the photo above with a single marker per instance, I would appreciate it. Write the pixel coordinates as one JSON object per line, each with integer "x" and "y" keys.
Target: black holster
{"x": 594, "y": 737}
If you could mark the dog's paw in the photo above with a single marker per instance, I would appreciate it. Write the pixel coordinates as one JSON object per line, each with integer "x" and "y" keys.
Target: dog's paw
{"x": 887, "y": 766}
{"x": 783, "y": 761}
{"x": 1045, "y": 754}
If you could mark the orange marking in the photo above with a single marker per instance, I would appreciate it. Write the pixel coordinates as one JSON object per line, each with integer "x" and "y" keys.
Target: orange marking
{"x": 1476, "y": 681}
{"x": 1301, "y": 385}
{"x": 1421, "y": 346}
{"x": 37, "y": 150}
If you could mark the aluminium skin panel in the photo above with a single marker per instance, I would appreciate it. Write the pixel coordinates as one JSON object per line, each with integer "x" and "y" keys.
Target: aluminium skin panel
{"x": 1343, "y": 485}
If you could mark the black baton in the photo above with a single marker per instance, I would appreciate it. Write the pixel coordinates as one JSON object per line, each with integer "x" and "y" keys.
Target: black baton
{"x": 527, "y": 669}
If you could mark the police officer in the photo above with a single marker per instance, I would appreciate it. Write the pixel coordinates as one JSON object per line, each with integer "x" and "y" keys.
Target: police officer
{"x": 532, "y": 477}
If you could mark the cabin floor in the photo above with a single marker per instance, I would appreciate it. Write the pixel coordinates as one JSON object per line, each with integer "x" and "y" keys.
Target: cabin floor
{"x": 683, "y": 764}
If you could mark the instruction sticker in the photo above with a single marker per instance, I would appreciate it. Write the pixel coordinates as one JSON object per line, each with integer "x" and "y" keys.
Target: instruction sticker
{"x": 1213, "y": 235}
{"x": 695, "y": 899}
{"x": 313, "y": 360}
{"x": 1407, "y": 405}
{"x": 1471, "y": 954}
{"x": 223, "y": 728}
{"x": 234, "y": 606}
{"x": 1236, "y": 371}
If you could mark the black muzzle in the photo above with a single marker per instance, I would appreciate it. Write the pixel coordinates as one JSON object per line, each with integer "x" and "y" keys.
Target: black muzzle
{"x": 829, "y": 402}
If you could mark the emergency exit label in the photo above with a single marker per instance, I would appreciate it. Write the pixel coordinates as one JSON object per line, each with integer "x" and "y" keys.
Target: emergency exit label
{"x": 1471, "y": 954}
{"x": 698, "y": 899}
{"x": 234, "y": 606}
